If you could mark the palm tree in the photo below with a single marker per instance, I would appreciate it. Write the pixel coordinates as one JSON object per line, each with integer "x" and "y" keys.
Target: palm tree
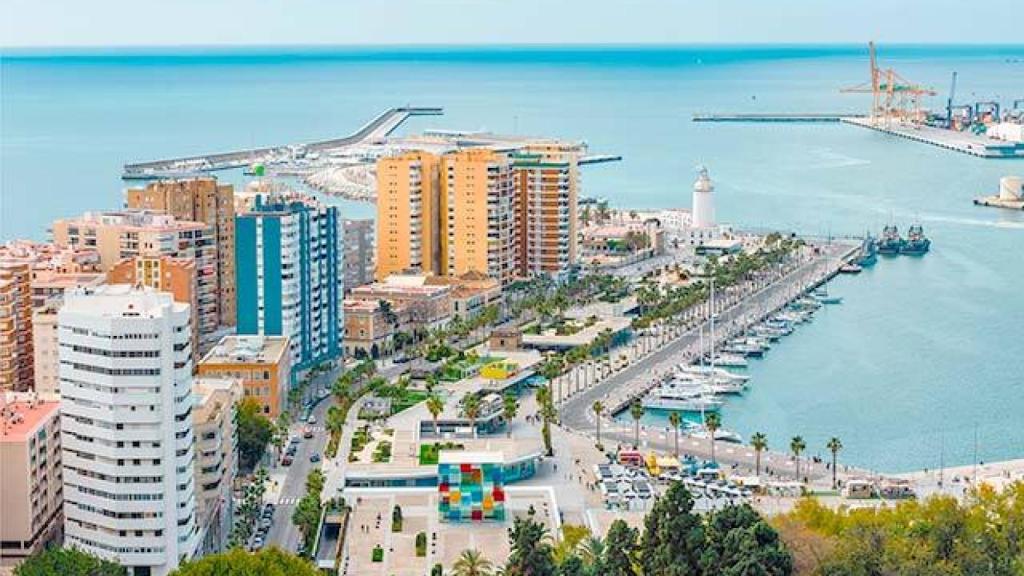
{"x": 546, "y": 409}
{"x": 797, "y": 445}
{"x": 712, "y": 422}
{"x": 471, "y": 410}
{"x": 591, "y": 551}
{"x": 472, "y": 563}
{"x": 636, "y": 410}
{"x": 435, "y": 406}
{"x": 598, "y": 409}
{"x": 510, "y": 405}
{"x": 834, "y": 446}
{"x": 759, "y": 442}
{"x": 675, "y": 420}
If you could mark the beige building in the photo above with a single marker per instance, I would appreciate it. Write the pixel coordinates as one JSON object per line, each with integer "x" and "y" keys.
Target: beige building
{"x": 122, "y": 235}
{"x": 200, "y": 200}
{"x": 31, "y": 488}
{"x": 368, "y": 331}
{"x": 471, "y": 293}
{"x": 213, "y": 425}
{"x": 262, "y": 363}
{"x": 408, "y": 214}
{"x": 418, "y": 306}
{"x": 16, "y": 358}
{"x": 479, "y": 209}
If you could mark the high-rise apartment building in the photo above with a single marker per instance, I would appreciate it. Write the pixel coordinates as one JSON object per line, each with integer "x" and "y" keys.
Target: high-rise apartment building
{"x": 16, "y": 357}
{"x": 200, "y": 200}
{"x": 358, "y": 243}
{"x": 213, "y": 423}
{"x": 126, "y": 427}
{"x": 546, "y": 185}
{"x": 30, "y": 475}
{"x": 409, "y": 220}
{"x": 479, "y": 209}
{"x": 288, "y": 255}
{"x": 129, "y": 233}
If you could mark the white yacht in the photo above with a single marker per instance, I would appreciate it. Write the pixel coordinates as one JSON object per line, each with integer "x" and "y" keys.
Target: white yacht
{"x": 718, "y": 373}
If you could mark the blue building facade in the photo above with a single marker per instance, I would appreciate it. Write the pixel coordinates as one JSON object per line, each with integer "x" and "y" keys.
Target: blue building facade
{"x": 288, "y": 261}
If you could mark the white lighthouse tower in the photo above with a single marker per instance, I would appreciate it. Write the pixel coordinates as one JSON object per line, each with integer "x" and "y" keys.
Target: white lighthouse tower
{"x": 703, "y": 202}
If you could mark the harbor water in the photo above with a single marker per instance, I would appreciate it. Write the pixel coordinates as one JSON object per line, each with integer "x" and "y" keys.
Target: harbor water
{"x": 923, "y": 356}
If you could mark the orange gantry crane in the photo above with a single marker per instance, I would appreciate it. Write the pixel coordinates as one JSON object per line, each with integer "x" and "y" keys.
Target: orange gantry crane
{"x": 894, "y": 98}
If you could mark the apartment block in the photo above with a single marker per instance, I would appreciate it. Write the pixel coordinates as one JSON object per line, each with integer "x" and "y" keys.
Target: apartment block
{"x": 126, "y": 234}
{"x": 213, "y": 424}
{"x": 288, "y": 254}
{"x": 30, "y": 475}
{"x": 409, "y": 214}
{"x": 262, "y": 363}
{"x": 358, "y": 243}
{"x": 199, "y": 200}
{"x": 546, "y": 185}
{"x": 128, "y": 450}
{"x": 16, "y": 358}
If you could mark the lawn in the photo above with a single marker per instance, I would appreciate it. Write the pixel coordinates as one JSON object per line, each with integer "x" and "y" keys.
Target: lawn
{"x": 429, "y": 452}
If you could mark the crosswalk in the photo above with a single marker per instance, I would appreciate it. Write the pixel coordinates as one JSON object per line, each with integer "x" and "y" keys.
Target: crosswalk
{"x": 288, "y": 501}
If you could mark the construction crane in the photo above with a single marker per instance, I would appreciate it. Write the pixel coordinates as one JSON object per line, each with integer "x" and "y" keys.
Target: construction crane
{"x": 894, "y": 98}
{"x": 949, "y": 103}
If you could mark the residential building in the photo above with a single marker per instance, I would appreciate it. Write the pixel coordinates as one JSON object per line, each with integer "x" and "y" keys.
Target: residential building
{"x": 200, "y": 200}
{"x": 480, "y": 213}
{"x": 288, "y": 256}
{"x": 45, "y": 348}
{"x": 30, "y": 475}
{"x": 129, "y": 233}
{"x": 409, "y": 214}
{"x": 176, "y": 276}
{"x": 16, "y": 357}
{"x": 471, "y": 293}
{"x": 358, "y": 242}
{"x": 546, "y": 185}
{"x": 262, "y": 363}
{"x": 213, "y": 423}
{"x": 53, "y": 268}
{"x": 369, "y": 332}
{"x": 418, "y": 306}
{"x": 126, "y": 427}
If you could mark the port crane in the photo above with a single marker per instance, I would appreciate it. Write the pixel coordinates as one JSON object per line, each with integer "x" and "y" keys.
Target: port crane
{"x": 949, "y": 103}
{"x": 894, "y": 98}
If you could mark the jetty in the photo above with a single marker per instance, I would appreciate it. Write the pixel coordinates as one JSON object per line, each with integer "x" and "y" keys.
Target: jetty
{"x": 796, "y": 117}
{"x": 376, "y": 129}
{"x": 964, "y": 142}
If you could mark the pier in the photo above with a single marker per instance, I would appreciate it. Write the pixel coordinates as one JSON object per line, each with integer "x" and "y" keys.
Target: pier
{"x": 964, "y": 142}
{"x": 796, "y": 117}
{"x": 376, "y": 129}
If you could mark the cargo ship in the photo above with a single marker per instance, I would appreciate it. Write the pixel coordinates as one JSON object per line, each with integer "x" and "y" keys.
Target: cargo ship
{"x": 890, "y": 243}
{"x": 916, "y": 243}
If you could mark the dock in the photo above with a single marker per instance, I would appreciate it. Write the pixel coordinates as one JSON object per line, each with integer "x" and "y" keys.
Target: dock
{"x": 998, "y": 202}
{"x": 964, "y": 142}
{"x": 797, "y": 117}
{"x": 376, "y": 129}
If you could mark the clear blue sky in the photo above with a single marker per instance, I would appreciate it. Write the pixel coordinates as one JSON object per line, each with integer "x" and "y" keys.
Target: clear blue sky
{"x": 205, "y": 22}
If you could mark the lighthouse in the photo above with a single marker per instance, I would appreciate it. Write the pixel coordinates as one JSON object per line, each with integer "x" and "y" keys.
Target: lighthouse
{"x": 703, "y": 202}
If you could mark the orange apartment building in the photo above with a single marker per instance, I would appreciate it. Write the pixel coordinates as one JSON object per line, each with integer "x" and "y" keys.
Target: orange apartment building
{"x": 31, "y": 497}
{"x": 16, "y": 358}
{"x": 262, "y": 363}
{"x": 546, "y": 184}
{"x": 408, "y": 214}
{"x": 199, "y": 200}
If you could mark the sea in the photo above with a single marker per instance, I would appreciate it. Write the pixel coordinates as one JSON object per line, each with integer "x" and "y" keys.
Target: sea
{"x": 922, "y": 363}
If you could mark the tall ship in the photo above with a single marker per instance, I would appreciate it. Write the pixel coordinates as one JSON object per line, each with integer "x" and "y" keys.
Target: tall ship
{"x": 890, "y": 243}
{"x": 916, "y": 243}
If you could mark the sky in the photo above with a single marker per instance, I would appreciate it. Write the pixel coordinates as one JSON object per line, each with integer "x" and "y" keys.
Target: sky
{"x": 42, "y": 23}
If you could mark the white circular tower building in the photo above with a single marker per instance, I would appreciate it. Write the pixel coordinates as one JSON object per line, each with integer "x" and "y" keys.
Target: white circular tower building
{"x": 703, "y": 202}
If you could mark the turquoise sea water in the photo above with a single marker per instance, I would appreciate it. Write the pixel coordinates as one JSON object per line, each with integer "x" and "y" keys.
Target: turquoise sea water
{"x": 923, "y": 354}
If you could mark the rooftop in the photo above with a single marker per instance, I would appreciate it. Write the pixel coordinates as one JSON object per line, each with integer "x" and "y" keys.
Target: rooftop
{"x": 120, "y": 300}
{"x": 247, "y": 349}
{"x": 22, "y": 415}
{"x": 462, "y": 457}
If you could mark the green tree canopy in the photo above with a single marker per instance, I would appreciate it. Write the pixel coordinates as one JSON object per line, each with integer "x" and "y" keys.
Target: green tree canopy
{"x": 620, "y": 550}
{"x": 673, "y": 535}
{"x": 532, "y": 554}
{"x": 254, "y": 432}
{"x": 67, "y": 562}
{"x": 237, "y": 562}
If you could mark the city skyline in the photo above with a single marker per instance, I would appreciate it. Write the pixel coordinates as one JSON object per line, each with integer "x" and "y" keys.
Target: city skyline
{"x": 457, "y": 22}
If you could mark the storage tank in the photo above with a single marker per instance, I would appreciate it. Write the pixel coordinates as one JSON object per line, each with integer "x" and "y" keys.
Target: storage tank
{"x": 703, "y": 203}
{"x": 1011, "y": 187}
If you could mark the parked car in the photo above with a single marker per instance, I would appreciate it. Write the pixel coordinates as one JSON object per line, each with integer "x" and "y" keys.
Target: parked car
{"x": 287, "y": 460}
{"x": 314, "y": 457}
{"x": 307, "y": 433}
{"x": 311, "y": 420}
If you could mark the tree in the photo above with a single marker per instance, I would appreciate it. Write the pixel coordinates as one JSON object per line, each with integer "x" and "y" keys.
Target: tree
{"x": 591, "y": 552}
{"x": 56, "y": 561}
{"x": 797, "y": 445}
{"x": 238, "y": 562}
{"x": 471, "y": 410}
{"x": 509, "y": 408}
{"x": 472, "y": 563}
{"x": 335, "y": 420}
{"x": 636, "y": 410}
{"x": 673, "y": 535}
{"x": 598, "y": 408}
{"x": 712, "y": 423}
{"x": 572, "y": 566}
{"x": 547, "y": 413}
{"x": 675, "y": 420}
{"x": 532, "y": 554}
{"x": 739, "y": 541}
{"x": 435, "y": 405}
{"x": 759, "y": 442}
{"x": 834, "y": 445}
{"x": 620, "y": 550}
{"x": 254, "y": 432}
